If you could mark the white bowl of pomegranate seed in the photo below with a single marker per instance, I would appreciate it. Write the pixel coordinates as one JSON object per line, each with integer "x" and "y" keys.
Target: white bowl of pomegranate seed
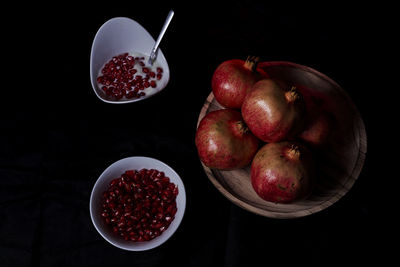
{"x": 137, "y": 203}
{"x": 119, "y": 68}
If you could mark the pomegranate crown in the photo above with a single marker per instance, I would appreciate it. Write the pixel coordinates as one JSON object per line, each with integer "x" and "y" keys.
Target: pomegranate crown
{"x": 293, "y": 152}
{"x": 292, "y": 95}
{"x": 251, "y": 63}
{"x": 242, "y": 127}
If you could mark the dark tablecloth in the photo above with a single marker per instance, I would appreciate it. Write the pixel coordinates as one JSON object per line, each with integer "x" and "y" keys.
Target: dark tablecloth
{"x": 56, "y": 136}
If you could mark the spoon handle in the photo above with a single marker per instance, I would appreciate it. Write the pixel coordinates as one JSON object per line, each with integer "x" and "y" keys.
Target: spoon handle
{"x": 160, "y": 36}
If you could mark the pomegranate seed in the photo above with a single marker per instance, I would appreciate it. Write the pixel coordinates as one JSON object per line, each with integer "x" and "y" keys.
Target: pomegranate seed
{"x": 131, "y": 94}
{"x": 175, "y": 191}
{"x": 159, "y": 76}
{"x": 130, "y": 173}
{"x": 116, "y": 90}
{"x": 159, "y": 70}
{"x": 145, "y": 70}
{"x": 153, "y": 84}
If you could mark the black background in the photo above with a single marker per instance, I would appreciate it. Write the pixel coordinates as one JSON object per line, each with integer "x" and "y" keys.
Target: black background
{"x": 57, "y": 137}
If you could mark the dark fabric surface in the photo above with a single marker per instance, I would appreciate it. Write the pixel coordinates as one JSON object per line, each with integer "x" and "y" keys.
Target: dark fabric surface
{"x": 56, "y": 137}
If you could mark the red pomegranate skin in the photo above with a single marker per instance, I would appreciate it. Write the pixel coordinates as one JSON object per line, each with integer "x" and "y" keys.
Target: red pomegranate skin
{"x": 282, "y": 172}
{"x": 318, "y": 128}
{"x": 271, "y": 113}
{"x": 233, "y": 79}
{"x": 223, "y": 140}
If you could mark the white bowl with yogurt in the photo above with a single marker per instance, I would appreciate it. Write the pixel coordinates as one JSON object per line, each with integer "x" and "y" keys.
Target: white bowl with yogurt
{"x": 123, "y": 35}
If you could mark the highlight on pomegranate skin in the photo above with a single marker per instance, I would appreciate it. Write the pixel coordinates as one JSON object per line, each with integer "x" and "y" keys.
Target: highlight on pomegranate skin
{"x": 128, "y": 76}
{"x": 140, "y": 205}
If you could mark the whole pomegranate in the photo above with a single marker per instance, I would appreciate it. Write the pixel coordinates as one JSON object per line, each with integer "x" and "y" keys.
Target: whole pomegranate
{"x": 317, "y": 129}
{"x": 282, "y": 172}
{"x": 233, "y": 79}
{"x": 272, "y": 113}
{"x": 223, "y": 140}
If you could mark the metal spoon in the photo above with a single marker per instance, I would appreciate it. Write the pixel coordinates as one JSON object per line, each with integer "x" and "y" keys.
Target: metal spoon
{"x": 153, "y": 53}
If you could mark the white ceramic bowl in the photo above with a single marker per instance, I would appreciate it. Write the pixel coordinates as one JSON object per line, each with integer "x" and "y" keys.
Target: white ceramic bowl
{"x": 115, "y": 170}
{"x": 122, "y": 35}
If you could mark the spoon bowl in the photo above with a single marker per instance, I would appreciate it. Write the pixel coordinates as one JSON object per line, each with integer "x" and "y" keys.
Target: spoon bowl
{"x": 123, "y": 35}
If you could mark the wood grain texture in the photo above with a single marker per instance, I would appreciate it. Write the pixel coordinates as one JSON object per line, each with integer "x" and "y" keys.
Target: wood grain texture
{"x": 339, "y": 163}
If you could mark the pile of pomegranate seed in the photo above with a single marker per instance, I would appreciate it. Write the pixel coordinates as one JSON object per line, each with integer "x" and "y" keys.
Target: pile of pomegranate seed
{"x": 140, "y": 205}
{"x": 128, "y": 76}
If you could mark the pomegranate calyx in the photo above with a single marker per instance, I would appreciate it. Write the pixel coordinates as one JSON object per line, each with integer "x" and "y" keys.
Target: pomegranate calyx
{"x": 242, "y": 127}
{"x": 292, "y": 95}
{"x": 251, "y": 63}
{"x": 293, "y": 153}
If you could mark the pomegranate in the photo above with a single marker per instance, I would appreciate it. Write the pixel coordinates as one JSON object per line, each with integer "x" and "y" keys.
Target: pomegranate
{"x": 233, "y": 79}
{"x": 317, "y": 128}
{"x": 223, "y": 140}
{"x": 271, "y": 113}
{"x": 140, "y": 205}
{"x": 282, "y": 172}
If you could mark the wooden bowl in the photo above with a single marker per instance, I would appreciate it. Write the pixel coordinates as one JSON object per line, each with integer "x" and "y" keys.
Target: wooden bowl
{"x": 339, "y": 162}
